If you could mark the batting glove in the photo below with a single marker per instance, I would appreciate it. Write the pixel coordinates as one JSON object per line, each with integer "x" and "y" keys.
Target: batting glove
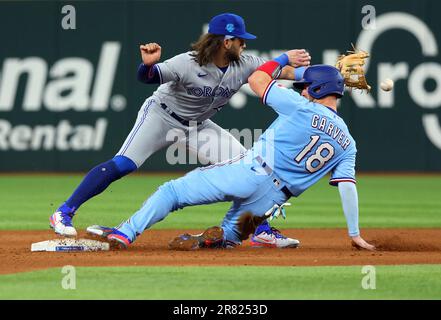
{"x": 276, "y": 211}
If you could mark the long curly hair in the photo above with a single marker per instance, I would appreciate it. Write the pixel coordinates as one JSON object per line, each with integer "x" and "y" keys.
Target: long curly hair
{"x": 206, "y": 48}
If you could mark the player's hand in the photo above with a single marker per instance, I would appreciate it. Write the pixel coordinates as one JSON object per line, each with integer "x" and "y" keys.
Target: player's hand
{"x": 359, "y": 243}
{"x": 150, "y": 53}
{"x": 299, "y": 58}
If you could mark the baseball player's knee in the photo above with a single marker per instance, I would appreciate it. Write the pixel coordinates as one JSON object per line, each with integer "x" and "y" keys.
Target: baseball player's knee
{"x": 168, "y": 191}
{"x": 123, "y": 165}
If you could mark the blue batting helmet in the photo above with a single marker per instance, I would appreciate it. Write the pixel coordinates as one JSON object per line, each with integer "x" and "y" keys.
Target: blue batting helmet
{"x": 322, "y": 80}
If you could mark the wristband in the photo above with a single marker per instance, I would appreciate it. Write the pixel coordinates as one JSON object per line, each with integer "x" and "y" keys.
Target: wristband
{"x": 298, "y": 73}
{"x": 283, "y": 59}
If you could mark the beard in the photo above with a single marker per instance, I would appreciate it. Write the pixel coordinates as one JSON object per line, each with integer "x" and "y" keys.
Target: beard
{"x": 232, "y": 56}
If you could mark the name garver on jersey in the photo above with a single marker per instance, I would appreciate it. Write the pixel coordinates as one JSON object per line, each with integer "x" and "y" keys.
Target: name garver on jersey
{"x": 328, "y": 127}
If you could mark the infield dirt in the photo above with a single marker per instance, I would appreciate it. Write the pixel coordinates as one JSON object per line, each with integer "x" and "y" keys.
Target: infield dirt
{"x": 319, "y": 247}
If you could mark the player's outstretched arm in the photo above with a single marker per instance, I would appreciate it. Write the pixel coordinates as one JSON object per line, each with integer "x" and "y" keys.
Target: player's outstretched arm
{"x": 262, "y": 77}
{"x": 298, "y": 59}
{"x": 349, "y": 200}
{"x": 258, "y": 81}
{"x": 274, "y": 69}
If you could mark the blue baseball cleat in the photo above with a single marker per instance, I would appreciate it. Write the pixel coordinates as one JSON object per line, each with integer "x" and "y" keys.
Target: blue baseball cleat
{"x": 116, "y": 238}
{"x": 269, "y": 237}
{"x": 62, "y": 224}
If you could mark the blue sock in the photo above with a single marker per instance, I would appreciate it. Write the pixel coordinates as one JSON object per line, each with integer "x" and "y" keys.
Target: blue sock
{"x": 97, "y": 180}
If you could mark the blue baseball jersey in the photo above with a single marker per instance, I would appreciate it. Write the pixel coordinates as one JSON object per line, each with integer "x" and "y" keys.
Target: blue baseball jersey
{"x": 306, "y": 141}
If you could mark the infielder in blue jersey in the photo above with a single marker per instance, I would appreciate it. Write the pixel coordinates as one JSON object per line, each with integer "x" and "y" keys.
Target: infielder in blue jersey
{"x": 193, "y": 87}
{"x": 307, "y": 140}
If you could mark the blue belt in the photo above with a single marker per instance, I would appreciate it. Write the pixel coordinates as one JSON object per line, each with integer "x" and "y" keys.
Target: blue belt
{"x": 174, "y": 115}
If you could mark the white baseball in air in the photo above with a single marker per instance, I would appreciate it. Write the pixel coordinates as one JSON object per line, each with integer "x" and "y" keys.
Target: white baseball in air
{"x": 387, "y": 85}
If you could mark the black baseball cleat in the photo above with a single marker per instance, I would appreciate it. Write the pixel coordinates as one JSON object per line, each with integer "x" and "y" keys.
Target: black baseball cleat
{"x": 211, "y": 238}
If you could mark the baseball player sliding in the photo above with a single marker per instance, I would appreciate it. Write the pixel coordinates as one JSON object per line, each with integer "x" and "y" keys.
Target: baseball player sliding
{"x": 193, "y": 87}
{"x": 307, "y": 140}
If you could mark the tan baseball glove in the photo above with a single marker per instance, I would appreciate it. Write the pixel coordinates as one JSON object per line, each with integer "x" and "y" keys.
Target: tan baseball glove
{"x": 351, "y": 67}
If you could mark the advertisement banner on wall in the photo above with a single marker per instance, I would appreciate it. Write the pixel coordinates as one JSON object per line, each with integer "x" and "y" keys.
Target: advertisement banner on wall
{"x": 69, "y": 94}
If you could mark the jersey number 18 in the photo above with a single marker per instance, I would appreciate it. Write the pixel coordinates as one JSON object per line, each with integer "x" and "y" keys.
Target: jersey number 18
{"x": 316, "y": 157}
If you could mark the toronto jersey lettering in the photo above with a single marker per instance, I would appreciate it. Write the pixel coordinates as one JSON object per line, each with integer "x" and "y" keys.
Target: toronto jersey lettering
{"x": 197, "y": 93}
{"x": 210, "y": 92}
{"x": 300, "y": 161}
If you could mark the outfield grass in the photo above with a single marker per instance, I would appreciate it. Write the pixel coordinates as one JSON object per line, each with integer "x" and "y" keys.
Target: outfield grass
{"x": 404, "y": 282}
{"x": 410, "y": 201}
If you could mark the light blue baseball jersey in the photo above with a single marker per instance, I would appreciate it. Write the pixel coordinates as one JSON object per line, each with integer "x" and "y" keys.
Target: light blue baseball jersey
{"x": 306, "y": 141}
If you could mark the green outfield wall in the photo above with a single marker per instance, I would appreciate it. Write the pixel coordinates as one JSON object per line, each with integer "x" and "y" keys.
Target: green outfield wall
{"x": 69, "y": 97}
